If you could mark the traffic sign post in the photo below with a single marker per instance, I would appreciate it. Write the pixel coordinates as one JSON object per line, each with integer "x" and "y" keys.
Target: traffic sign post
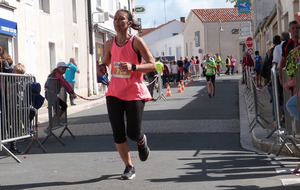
{"x": 249, "y": 42}
{"x": 250, "y": 51}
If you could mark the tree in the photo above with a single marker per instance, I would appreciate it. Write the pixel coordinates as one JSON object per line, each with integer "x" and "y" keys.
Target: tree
{"x": 233, "y": 1}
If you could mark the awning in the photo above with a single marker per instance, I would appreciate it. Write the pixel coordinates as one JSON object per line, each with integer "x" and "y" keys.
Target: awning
{"x": 8, "y": 27}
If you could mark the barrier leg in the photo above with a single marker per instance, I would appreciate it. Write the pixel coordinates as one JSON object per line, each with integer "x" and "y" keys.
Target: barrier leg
{"x": 271, "y": 133}
{"x": 62, "y": 142}
{"x": 31, "y": 143}
{"x": 66, "y": 128}
{"x": 10, "y": 153}
{"x": 283, "y": 144}
{"x": 273, "y": 146}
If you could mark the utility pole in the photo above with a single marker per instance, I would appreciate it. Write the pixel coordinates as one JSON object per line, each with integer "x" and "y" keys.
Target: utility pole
{"x": 165, "y": 11}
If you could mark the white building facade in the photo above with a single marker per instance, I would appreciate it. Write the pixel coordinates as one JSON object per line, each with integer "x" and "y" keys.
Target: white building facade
{"x": 40, "y": 33}
{"x": 166, "y": 40}
{"x": 215, "y": 31}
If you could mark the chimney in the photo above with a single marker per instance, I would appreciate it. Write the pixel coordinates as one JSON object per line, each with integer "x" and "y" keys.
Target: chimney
{"x": 182, "y": 19}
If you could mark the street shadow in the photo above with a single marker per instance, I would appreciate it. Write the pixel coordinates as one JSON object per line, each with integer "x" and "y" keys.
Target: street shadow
{"x": 58, "y": 183}
{"x": 223, "y": 168}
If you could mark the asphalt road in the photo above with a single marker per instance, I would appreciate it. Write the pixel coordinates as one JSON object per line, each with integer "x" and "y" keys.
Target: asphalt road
{"x": 194, "y": 142}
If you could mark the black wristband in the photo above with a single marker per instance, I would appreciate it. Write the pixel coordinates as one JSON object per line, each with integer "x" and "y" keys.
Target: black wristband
{"x": 133, "y": 66}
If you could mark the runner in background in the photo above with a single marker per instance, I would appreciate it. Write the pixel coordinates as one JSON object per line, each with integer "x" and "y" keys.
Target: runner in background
{"x": 210, "y": 68}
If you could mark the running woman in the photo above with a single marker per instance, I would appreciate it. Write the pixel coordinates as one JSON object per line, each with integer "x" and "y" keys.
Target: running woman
{"x": 127, "y": 93}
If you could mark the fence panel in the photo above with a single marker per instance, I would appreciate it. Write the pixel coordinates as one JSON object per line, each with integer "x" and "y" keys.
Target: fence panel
{"x": 57, "y": 118}
{"x": 16, "y": 104}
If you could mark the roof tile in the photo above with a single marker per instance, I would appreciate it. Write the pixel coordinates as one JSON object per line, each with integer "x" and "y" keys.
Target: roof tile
{"x": 222, "y": 14}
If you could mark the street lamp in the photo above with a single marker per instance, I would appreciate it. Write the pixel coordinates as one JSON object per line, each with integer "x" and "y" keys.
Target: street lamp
{"x": 220, "y": 29}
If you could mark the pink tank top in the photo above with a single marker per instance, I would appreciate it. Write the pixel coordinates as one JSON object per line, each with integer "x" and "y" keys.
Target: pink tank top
{"x": 126, "y": 85}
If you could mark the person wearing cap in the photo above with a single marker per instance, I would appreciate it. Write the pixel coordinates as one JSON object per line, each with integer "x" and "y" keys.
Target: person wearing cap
{"x": 70, "y": 75}
{"x": 58, "y": 73}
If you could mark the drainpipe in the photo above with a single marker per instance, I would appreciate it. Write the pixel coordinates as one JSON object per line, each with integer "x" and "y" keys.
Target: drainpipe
{"x": 279, "y": 16}
{"x": 90, "y": 48}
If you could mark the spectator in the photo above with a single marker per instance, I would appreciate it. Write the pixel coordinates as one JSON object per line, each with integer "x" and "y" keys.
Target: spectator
{"x": 5, "y": 61}
{"x": 266, "y": 73}
{"x": 70, "y": 75}
{"x": 58, "y": 73}
{"x": 197, "y": 66}
{"x": 166, "y": 73}
{"x": 257, "y": 67}
{"x": 228, "y": 65}
{"x": 286, "y": 48}
{"x": 232, "y": 60}
{"x": 174, "y": 71}
{"x": 186, "y": 68}
{"x": 289, "y": 45}
{"x": 180, "y": 67}
{"x": 277, "y": 55}
{"x": 218, "y": 63}
{"x": 159, "y": 66}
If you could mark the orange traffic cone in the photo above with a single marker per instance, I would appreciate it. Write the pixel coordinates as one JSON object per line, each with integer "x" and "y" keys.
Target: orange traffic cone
{"x": 179, "y": 88}
{"x": 186, "y": 82}
{"x": 192, "y": 80}
{"x": 182, "y": 86}
{"x": 169, "y": 91}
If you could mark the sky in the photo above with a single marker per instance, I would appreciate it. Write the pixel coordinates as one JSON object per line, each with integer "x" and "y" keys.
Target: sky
{"x": 155, "y": 14}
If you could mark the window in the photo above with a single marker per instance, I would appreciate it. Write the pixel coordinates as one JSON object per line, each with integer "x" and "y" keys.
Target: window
{"x": 178, "y": 52}
{"x": 52, "y": 56}
{"x": 197, "y": 38}
{"x": 174, "y": 34}
{"x": 74, "y": 11}
{"x": 186, "y": 49}
{"x": 45, "y": 6}
{"x": 98, "y": 3}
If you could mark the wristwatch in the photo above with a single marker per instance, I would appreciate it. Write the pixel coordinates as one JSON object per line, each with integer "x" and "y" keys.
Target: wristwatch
{"x": 133, "y": 66}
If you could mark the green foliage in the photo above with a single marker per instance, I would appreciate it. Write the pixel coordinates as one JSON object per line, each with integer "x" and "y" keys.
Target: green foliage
{"x": 233, "y": 1}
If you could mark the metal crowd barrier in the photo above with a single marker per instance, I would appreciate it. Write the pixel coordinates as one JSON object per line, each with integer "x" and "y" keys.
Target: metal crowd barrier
{"x": 280, "y": 131}
{"x": 292, "y": 127}
{"x": 257, "y": 116}
{"x": 160, "y": 92}
{"x": 56, "y": 121}
{"x": 16, "y": 107}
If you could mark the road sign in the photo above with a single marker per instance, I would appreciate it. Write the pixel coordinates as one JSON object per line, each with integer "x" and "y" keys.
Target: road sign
{"x": 250, "y": 51}
{"x": 249, "y": 42}
{"x": 243, "y": 6}
{"x": 139, "y": 9}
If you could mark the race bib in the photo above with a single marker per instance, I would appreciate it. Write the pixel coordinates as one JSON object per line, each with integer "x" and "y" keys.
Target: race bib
{"x": 118, "y": 73}
{"x": 209, "y": 71}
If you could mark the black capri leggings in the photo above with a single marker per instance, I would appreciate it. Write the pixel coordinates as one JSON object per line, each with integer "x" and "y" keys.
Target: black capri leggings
{"x": 133, "y": 110}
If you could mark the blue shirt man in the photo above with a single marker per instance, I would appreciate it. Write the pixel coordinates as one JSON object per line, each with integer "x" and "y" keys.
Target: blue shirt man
{"x": 70, "y": 75}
